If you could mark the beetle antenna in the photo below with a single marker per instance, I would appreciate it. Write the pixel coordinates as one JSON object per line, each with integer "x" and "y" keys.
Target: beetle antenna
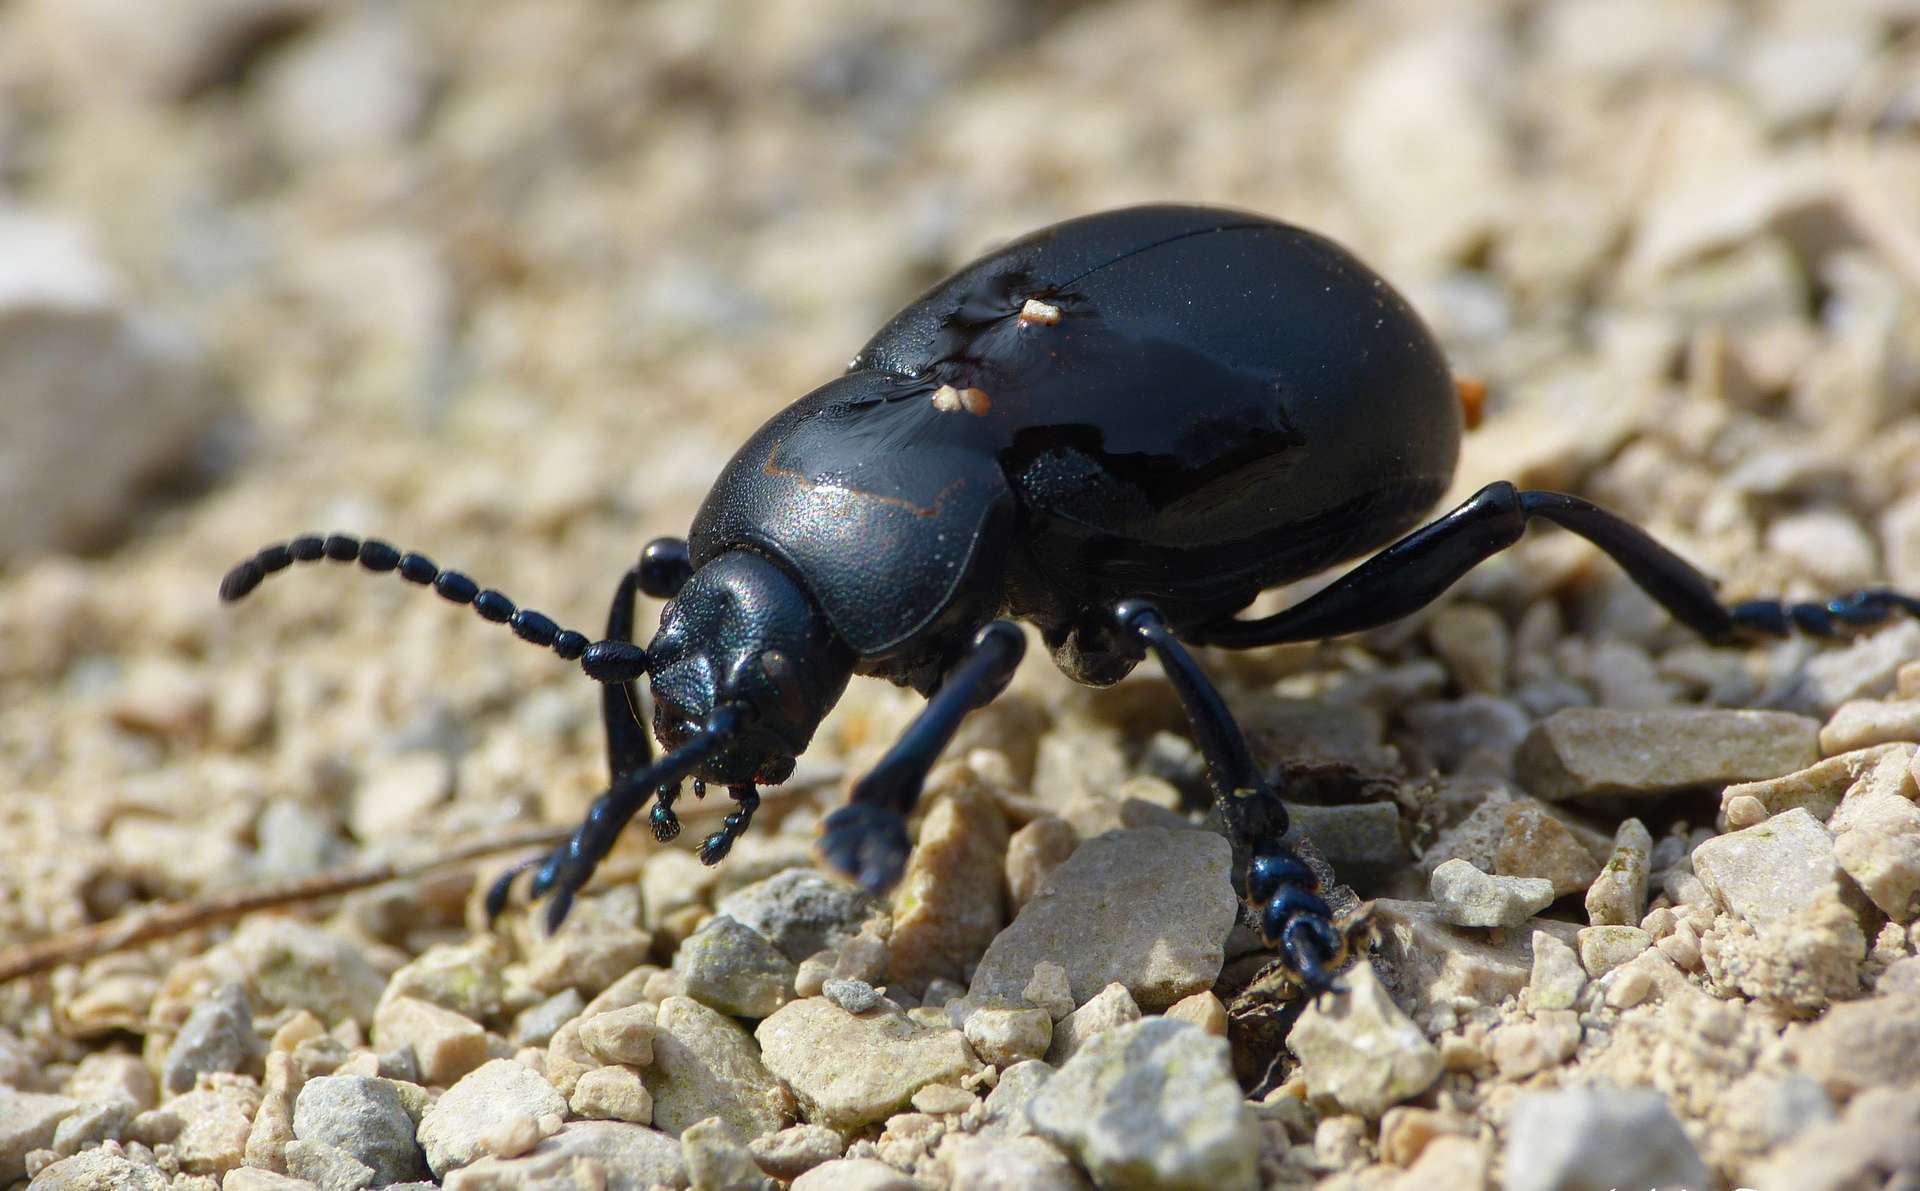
{"x": 603, "y": 661}
{"x": 568, "y": 867}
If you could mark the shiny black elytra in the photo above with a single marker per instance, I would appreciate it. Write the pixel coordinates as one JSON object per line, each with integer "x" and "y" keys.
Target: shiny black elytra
{"x": 1120, "y": 428}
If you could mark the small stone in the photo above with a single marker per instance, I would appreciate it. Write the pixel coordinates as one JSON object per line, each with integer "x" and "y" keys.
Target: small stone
{"x": 1033, "y": 852}
{"x": 1877, "y": 843}
{"x": 1468, "y": 897}
{"x": 1006, "y": 1105}
{"x": 621, "y": 1035}
{"x": 855, "y": 996}
{"x": 734, "y": 969}
{"x": 718, "y": 1159}
{"x": 1523, "y": 1048}
{"x": 105, "y": 1076}
{"x": 93, "y": 1123}
{"x": 1618, "y": 897}
{"x": 800, "y": 910}
{"x": 537, "y": 1025}
{"x": 1153, "y": 1104}
{"x": 1628, "y": 986}
{"x": 1203, "y": 1009}
{"x": 1682, "y": 947}
{"x": 603, "y": 942}
{"x": 468, "y": 978}
{"x": 1109, "y": 1009}
{"x": 855, "y": 1174}
{"x": 943, "y": 1099}
{"x": 1604, "y": 948}
{"x": 1860, "y": 723}
{"x": 365, "y": 1117}
{"x": 1407, "y": 1131}
{"x": 446, "y": 1045}
{"x": 1802, "y": 960}
{"x": 1360, "y": 1050}
{"x": 1017, "y": 1164}
{"x": 1468, "y": 734}
{"x": 623, "y": 1157}
{"x": 952, "y": 900}
{"x": 612, "y": 1093}
{"x": 1340, "y": 1141}
{"x": 1820, "y": 787}
{"x": 1859, "y": 1045}
{"x": 1049, "y": 990}
{"x": 1870, "y": 1141}
{"x": 1004, "y": 1036}
{"x": 1771, "y": 870}
{"x": 1474, "y": 642}
{"x": 1534, "y": 843}
{"x": 27, "y": 1122}
{"x": 1583, "y": 752}
{"x": 214, "y": 1121}
{"x": 1861, "y": 670}
{"x": 1591, "y": 1138}
{"x": 106, "y": 1170}
{"x": 706, "y": 1065}
{"x": 290, "y": 965}
{"x": 272, "y": 1126}
{"x": 1361, "y": 840}
{"x": 1743, "y": 811}
{"x": 794, "y": 1151}
{"x": 1440, "y": 963}
{"x": 1558, "y": 978}
{"x": 493, "y": 1101}
{"x": 249, "y": 1179}
{"x": 72, "y": 347}
{"x": 1149, "y": 908}
{"x": 849, "y": 1071}
{"x": 393, "y": 798}
{"x": 328, "y": 1167}
{"x": 218, "y": 1036}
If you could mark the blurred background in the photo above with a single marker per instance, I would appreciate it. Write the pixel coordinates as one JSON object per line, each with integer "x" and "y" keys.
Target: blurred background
{"x": 507, "y": 283}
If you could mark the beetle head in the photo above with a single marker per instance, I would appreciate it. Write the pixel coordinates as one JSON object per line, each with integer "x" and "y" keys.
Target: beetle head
{"x": 742, "y": 633}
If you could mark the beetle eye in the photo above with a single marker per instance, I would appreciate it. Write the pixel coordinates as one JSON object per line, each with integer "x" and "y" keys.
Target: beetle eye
{"x": 789, "y": 694}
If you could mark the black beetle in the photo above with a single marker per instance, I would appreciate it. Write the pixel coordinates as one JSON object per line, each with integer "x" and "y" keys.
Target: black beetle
{"x": 1120, "y": 428}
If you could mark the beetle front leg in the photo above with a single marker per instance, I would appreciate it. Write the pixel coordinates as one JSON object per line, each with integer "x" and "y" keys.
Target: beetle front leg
{"x": 1281, "y": 891}
{"x": 867, "y": 838}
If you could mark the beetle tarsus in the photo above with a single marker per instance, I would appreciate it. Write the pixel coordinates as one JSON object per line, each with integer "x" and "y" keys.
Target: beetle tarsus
{"x": 868, "y": 843}
{"x": 661, "y": 819}
{"x": 1838, "y": 617}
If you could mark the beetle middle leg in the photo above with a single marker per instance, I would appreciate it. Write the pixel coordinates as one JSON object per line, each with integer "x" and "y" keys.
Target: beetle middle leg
{"x": 867, "y": 838}
{"x": 1282, "y": 893}
{"x": 1414, "y": 571}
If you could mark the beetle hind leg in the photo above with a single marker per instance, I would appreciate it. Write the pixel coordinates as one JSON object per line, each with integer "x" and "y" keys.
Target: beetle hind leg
{"x": 1281, "y": 893}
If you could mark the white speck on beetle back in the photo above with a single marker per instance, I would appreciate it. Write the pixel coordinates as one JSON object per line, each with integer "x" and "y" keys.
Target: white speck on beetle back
{"x": 1033, "y": 311}
{"x": 947, "y": 399}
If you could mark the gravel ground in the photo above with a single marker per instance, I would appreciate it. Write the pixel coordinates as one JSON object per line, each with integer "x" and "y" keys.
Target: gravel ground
{"x": 510, "y": 288}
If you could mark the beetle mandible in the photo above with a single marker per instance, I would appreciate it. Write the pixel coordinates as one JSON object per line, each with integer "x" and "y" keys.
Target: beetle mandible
{"x": 1120, "y": 429}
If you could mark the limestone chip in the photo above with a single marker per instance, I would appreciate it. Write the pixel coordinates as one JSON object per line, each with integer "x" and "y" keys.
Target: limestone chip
{"x": 1360, "y": 1050}
{"x": 1153, "y": 1104}
{"x": 1149, "y": 908}
{"x": 1585, "y": 752}
{"x": 706, "y": 1065}
{"x": 847, "y": 1071}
